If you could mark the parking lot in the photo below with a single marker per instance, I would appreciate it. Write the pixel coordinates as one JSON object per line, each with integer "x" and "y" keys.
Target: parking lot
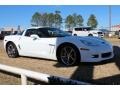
{"x": 107, "y": 72}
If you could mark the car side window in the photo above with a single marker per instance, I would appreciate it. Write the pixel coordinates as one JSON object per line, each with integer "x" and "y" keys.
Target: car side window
{"x": 29, "y": 32}
{"x": 42, "y": 32}
{"x": 78, "y": 29}
{"x": 34, "y": 31}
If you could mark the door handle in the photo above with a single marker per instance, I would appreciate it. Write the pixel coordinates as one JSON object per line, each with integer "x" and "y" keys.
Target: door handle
{"x": 51, "y": 45}
{"x": 34, "y": 38}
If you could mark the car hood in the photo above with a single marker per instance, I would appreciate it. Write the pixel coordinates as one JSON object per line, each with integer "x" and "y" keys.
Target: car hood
{"x": 94, "y": 41}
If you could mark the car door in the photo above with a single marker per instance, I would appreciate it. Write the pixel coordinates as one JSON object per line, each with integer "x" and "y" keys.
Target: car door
{"x": 39, "y": 47}
{"x": 44, "y": 45}
{"x": 27, "y": 44}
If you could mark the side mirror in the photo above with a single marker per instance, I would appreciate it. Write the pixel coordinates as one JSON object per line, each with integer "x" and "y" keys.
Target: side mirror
{"x": 34, "y": 36}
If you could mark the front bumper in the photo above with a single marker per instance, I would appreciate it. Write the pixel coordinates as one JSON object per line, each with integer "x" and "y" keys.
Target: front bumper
{"x": 97, "y": 54}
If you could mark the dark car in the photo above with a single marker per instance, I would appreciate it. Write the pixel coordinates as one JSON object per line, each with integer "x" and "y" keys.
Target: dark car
{"x": 119, "y": 34}
{"x": 4, "y": 33}
{"x": 1, "y": 37}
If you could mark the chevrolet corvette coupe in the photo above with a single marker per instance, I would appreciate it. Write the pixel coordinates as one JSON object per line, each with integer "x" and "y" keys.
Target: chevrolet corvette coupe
{"x": 55, "y": 44}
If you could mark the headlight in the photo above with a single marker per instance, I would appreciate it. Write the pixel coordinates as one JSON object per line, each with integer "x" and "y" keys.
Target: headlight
{"x": 88, "y": 43}
{"x": 102, "y": 40}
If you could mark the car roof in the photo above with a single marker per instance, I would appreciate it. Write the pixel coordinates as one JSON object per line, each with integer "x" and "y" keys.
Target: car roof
{"x": 39, "y": 27}
{"x": 83, "y": 27}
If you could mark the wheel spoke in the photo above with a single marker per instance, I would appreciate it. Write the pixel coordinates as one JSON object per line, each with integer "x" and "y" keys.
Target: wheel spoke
{"x": 63, "y": 56}
{"x": 65, "y": 50}
{"x": 72, "y": 58}
{"x": 65, "y": 59}
{"x": 9, "y": 50}
{"x": 71, "y": 51}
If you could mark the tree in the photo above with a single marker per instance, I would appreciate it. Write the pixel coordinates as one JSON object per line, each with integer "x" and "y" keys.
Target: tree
{"x": 47, "y": 19}
{"x": 57, "y": 19}
{"x": 44, "y": 19}
{"x": 92, "y": 21}
{"x": 36, "y": 19}
{"x": 69, "y": 22}
{"x": 50, "y": 19}
{"x": 79, "y": 21}
{"x": 73, "y": 20}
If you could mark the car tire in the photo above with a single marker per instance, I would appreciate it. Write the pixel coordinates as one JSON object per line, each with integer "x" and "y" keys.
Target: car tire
{"x": 12, "y": 50}
{"x": 90, "y": 34}
{"x": 75, "y": 34}
{"x": 68, "y": 55}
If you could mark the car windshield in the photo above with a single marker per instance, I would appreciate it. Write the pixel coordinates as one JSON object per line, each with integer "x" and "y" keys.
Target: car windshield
{"x": 53, "y": 32}
{"x": 20, "y": 33}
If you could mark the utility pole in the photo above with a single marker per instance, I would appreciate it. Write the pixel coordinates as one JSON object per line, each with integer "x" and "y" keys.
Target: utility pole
{"x": 19, "y": 29}
{"x": 110, "y": 17}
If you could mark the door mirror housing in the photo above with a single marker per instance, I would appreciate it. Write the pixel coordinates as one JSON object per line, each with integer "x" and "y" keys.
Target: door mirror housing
{"x": 34, "y": 36}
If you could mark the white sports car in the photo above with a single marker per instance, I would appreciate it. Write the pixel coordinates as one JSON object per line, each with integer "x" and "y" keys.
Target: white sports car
{"x": 52, "y": 43}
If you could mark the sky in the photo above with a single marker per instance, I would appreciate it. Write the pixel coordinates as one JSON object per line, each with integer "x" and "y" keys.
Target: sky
{"x": 14, "y": 15}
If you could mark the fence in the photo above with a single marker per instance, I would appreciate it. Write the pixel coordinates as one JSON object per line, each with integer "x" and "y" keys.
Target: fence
{"x": 39, "y": 76}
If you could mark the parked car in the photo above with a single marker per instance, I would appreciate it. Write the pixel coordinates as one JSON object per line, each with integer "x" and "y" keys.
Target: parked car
{"x": 105, "y": 32}
{"x": 52, "y": 43}
{"x": 1, "y": 37}
{"x": 70, "y": 32}
{"x": 119, "y": 34}
{"x": 87, "y": 31}
{"x": 4, "y": 33}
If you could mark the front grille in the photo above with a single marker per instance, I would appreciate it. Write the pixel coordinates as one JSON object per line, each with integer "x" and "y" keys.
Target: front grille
{"x": 95, "y": 56}
{"x": 105, "y": 55}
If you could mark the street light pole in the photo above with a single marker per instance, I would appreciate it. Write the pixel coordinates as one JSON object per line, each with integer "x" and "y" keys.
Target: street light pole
{"x": 110, "y": 17}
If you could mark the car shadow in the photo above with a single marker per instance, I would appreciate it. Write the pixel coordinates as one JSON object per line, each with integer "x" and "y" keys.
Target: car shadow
{"x": 85, "y": 71}
{"x": 36, "y": 58}
{"x": 111, "y": 80}
{"x": 117, "y": 56}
